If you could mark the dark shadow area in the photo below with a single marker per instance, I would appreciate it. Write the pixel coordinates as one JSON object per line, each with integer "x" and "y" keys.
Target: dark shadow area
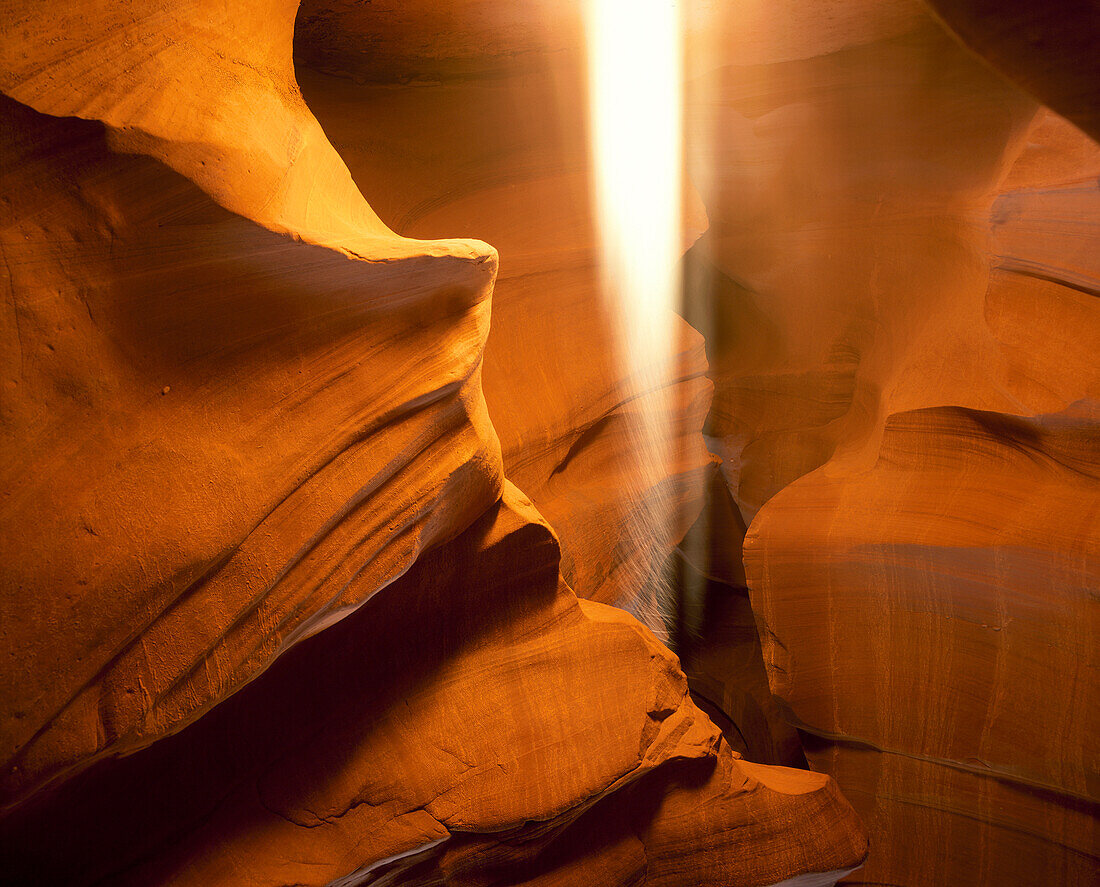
{"x": 298, "y": 721}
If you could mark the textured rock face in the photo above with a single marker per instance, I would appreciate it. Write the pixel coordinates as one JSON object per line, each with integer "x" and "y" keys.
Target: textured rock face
{"x": 213, "y": 443}
{"x": 963, "y": 568}
{"x": 513, "y": 168}
{"x": 900, "y": 284}
{"x": 1049, "y": 50}
{"x": 309, "y": 529}
{"x": 272, "y": 612}
{"x": 364, "y": 751}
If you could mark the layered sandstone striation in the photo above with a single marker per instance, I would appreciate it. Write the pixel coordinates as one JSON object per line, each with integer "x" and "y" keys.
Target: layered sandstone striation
{"x": 450, "y": 731}
{"x": 480, "y": 127}
{"x": 963, "y": 567}
{"x": 214, "y": 445}
{"x": 899, "y": 291}
{"x": 1048, "y": 49}
{"x": 310, "y": 528}
{"x": 272, "y": 612}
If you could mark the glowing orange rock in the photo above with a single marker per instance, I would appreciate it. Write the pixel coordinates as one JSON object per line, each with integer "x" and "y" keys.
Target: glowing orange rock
{"x": 214, "y": 444}
{"x": 461, "y": 721}
{"x": 902, "y": 275}
{"x": 261, "y": 566}
{"x": 503, "y": 154}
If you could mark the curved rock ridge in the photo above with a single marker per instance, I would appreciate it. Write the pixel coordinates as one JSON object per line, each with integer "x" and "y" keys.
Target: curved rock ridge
{"x": 241, "y": 416}
{"x": 425, "y": 43}
{"x": 221, "y": 431}
{"x": 209, "y": 90}
{"x": 505, "y": 157}
{"x": 475, "y": 723}
{"x": 898, "y": 292}
{"x": 631, "y": 838}
{"x": 849, "y": 194}
{"x": 996, "y": 574}
{"x": 958, "y": 577}
{"x": 1048, "y": 49}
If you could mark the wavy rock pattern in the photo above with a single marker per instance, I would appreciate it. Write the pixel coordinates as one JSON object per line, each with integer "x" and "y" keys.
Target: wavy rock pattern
{"x": 962, "y": 566}
{"x": 368, "y": 757}
{"x": 272, "y": 613}
{"x": 900, "y": 282}
{"x": 212, "y": 438}
{"x": 513, "y": 167}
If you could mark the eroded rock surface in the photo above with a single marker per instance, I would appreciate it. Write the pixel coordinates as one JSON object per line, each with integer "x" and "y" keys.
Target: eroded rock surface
{"x": 272, "y": 613}
{"x": 221, "y": 430}
{"x": 485, "y": 133}
{"x": 900, "y": 281}
{"x": 452, "y": 730}
{"x": 962, "y": 568}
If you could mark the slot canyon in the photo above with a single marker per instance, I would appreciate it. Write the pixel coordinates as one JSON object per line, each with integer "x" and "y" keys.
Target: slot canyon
{"x": 559, "y": 443}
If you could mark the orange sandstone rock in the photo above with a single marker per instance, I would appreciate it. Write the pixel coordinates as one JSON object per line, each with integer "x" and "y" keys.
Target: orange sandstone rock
{"x": 900, "y": 284}
{"x": 957, "y": 575}
{"x": 242, "y": 416}
{"x": 1049, "y": 49}
{"x": 460, "y": 720}
{"x": 496, "y": 146}
{"x": 226, "y": 422}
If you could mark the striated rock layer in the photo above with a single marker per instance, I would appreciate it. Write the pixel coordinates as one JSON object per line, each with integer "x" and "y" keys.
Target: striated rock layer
{"x": 214, "y": 440}
{"x": 483, "y": 132}
{"x": 899, "y": 293}
{"x": 271, "y": 611}
{"x": 962, "y": 568}
{"x": 450, "y": 731}
{"x": 1048, "y": 49}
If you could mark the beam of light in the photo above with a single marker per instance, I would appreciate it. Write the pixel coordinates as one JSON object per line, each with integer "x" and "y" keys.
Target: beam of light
{"x": 635, "y": 106}
{"x": 634, "y": 59}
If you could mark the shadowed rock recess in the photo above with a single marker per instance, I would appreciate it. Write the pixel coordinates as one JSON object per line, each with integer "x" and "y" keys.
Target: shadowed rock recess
{"x": 331, "y": 555}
